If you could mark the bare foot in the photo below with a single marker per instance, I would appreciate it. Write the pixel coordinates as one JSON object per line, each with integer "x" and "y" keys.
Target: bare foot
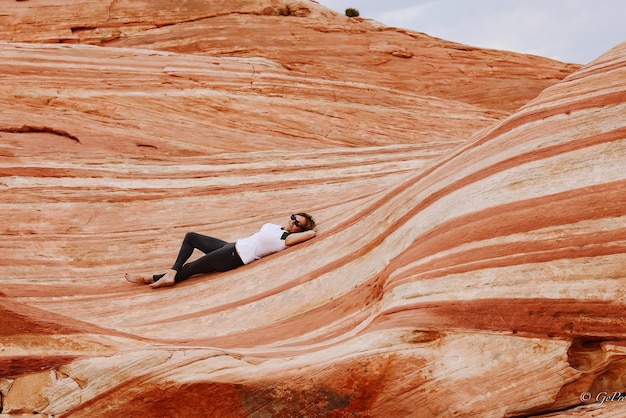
{"x": 139, "y": 278}
{"x": 167, "y": 280}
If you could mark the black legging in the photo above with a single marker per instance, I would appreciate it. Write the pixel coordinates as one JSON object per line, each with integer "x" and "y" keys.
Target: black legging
{"x": 219, "y": 256}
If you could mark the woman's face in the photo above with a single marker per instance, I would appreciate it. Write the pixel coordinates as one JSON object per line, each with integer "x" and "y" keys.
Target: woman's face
{"x": 294, "y": 221}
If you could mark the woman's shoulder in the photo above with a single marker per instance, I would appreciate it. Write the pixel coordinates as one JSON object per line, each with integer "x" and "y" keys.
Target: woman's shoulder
{"x": 270, "y": 229}
{"x": 270, "y": 225}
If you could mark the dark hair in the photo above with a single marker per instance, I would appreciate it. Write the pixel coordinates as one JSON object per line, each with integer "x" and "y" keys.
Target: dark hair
{"x": 310, "y": 222}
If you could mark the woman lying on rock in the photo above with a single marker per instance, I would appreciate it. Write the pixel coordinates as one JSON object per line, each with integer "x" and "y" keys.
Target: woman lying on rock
{"x": 223, "y": 256}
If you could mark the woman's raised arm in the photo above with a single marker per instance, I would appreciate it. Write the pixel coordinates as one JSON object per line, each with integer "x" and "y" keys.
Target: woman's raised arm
{"x": 298, "y": 237}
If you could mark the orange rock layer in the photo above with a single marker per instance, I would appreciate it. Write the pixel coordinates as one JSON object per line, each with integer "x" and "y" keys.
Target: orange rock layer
{"x": 471, "y": 252}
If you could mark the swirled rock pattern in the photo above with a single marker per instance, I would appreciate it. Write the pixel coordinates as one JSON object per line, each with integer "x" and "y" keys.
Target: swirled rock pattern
{"x": 471, "y": 252}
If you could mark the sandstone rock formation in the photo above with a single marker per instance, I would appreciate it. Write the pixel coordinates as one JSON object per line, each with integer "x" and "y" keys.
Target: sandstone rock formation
{"x": 470, "y": 259}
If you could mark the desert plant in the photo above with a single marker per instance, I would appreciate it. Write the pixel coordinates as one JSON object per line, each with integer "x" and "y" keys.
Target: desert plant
{"x": 352, "y": 12}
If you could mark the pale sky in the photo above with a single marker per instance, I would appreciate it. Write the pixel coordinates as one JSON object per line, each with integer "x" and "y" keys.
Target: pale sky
{"x": 575, "y": 31}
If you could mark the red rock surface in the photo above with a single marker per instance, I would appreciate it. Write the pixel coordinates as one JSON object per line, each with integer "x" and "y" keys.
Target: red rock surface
{"x": 470, "y": 258}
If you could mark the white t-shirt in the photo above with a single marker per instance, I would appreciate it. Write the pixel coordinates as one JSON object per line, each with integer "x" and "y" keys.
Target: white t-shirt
{"x": 270, "y": 239}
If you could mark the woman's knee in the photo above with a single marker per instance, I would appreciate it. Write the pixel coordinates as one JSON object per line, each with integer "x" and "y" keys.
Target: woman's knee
{"x": 191, "y": 237}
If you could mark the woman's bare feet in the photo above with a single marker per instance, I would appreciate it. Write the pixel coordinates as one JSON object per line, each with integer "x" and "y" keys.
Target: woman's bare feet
{"x": 139, "y": 278}
{"x": 167, "y": 280}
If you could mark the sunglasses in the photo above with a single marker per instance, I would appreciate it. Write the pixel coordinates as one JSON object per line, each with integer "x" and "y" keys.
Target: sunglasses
{"x": 297, "y": 223}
